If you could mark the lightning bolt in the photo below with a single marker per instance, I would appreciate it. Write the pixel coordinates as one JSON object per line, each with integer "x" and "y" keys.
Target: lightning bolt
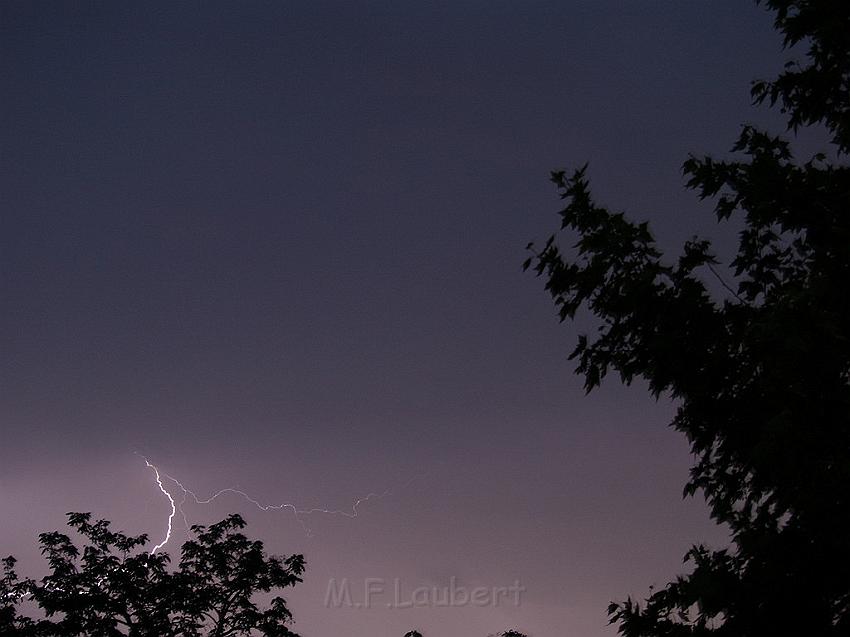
{"x": 297, "y": 513}
{"x": 170, "y": 500}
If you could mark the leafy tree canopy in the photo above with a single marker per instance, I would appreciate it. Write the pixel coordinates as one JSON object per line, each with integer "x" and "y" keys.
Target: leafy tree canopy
{"x": 507, "y": 633}
{"x": 112, "y": 588}
{"x": 760, "y": 374}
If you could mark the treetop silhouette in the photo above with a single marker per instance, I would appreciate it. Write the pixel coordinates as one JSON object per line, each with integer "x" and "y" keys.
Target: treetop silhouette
{"x": 113, "y": 588}
{"x": 761, "y": 375}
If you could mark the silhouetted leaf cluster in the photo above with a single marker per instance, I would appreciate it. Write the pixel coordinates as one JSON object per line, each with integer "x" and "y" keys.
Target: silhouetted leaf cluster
{"x": 507, "y": 633}
{"x": 112, "y": 588}
{"x": 761, "y": 372}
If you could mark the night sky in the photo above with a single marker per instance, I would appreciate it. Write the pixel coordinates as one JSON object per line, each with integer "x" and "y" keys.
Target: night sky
{"x": 277, "y": 246}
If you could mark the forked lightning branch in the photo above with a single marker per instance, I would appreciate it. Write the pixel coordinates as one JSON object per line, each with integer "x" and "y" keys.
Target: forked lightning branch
{"x": 178, "y": 494}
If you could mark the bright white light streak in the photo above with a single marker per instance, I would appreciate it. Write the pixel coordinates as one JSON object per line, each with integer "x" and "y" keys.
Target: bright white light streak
{"x": 297, "y": 513}
{"x": 170, "y": 500}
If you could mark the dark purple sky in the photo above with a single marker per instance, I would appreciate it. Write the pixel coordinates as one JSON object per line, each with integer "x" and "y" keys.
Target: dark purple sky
{"x": 277, "y": 245}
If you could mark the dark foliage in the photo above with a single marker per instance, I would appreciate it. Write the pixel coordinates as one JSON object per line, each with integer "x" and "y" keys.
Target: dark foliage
{"x": 762, "y": 376}
{"x": 507, "y": 633}
{"x": 112, "y": 588}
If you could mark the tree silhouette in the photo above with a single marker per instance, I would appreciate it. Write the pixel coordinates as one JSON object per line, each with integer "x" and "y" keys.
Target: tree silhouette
{"x": 12, "y": 591}
{"x": 760, "y": 372}
{"x": 113, "y": 588}
{"x": 507, "y": 633}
